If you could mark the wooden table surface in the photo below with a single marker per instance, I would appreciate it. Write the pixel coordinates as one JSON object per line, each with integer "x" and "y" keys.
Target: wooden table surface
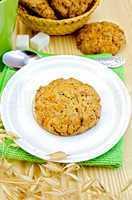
{"x": 119, "y": 11}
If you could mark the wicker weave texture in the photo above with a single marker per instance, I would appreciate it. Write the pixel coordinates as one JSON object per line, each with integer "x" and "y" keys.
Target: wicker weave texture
{"x": 56, "y": 27}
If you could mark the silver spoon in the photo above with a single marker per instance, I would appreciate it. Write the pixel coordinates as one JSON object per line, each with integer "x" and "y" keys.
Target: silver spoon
{"x": 17, "y": 59}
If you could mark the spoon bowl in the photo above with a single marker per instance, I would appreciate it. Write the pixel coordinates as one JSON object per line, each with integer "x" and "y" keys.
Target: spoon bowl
{"x": 17, "y": 58}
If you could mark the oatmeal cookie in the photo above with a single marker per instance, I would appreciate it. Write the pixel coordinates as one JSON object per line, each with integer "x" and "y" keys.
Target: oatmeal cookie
{"x": 40, "y": 7}
{"x": 100, "y": 37}
{"x": 67, "y": 107}
{"x": 71, "y": 8}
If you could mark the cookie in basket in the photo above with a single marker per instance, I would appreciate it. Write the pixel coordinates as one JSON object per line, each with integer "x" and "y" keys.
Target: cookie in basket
{"x": 71, "y": 8}
{"x": 40, "y": 7}
{"x": 55, "y": 27}
{"x": 67, "y": 107}
{"x": 100, "y": 37}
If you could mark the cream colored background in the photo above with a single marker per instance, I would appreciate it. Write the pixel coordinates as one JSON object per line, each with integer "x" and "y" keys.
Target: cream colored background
{"x": 119, "y": 11}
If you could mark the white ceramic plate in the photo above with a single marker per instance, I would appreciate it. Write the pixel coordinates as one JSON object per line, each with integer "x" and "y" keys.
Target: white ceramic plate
{"x": 17, "y": 108}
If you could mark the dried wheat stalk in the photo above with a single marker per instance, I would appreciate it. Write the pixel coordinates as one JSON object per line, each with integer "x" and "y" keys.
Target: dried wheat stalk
{"x": 25, "y": 184}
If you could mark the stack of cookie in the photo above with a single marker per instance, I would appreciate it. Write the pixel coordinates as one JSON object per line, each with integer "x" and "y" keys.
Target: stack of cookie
{"x": 57, "y": 9}
{"x": 56, "y": 17}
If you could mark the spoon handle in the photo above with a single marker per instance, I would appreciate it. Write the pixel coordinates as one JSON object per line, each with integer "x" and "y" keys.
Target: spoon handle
{"x": 113, "y": 62}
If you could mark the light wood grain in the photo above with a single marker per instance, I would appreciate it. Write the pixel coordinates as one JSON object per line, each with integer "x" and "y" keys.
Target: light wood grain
{"x": 119, "y": 11}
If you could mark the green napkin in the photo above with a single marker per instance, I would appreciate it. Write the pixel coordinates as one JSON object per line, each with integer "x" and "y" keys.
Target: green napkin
{"x": 113, "y": 158}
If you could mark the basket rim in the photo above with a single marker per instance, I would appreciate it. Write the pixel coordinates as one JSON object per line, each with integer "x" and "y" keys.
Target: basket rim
{"x": 96, "y": 3}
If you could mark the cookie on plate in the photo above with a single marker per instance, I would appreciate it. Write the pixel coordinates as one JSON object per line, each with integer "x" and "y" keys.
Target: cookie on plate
{"x": 67, "y": 107}
{"x": 71, "y": 8}
{"x": 40, "y": 7}
{"x": 100, "y": 37}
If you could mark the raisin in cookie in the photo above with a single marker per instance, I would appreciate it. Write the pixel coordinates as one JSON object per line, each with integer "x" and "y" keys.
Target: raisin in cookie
{"x": 40, "y": 7}
{"x": 71, "y": 8}
{"x": 100, "y": 37}
{"x": 67, "y": 107}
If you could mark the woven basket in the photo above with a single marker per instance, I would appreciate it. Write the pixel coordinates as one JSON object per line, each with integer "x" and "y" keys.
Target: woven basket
{"x": 56, "y": 27}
